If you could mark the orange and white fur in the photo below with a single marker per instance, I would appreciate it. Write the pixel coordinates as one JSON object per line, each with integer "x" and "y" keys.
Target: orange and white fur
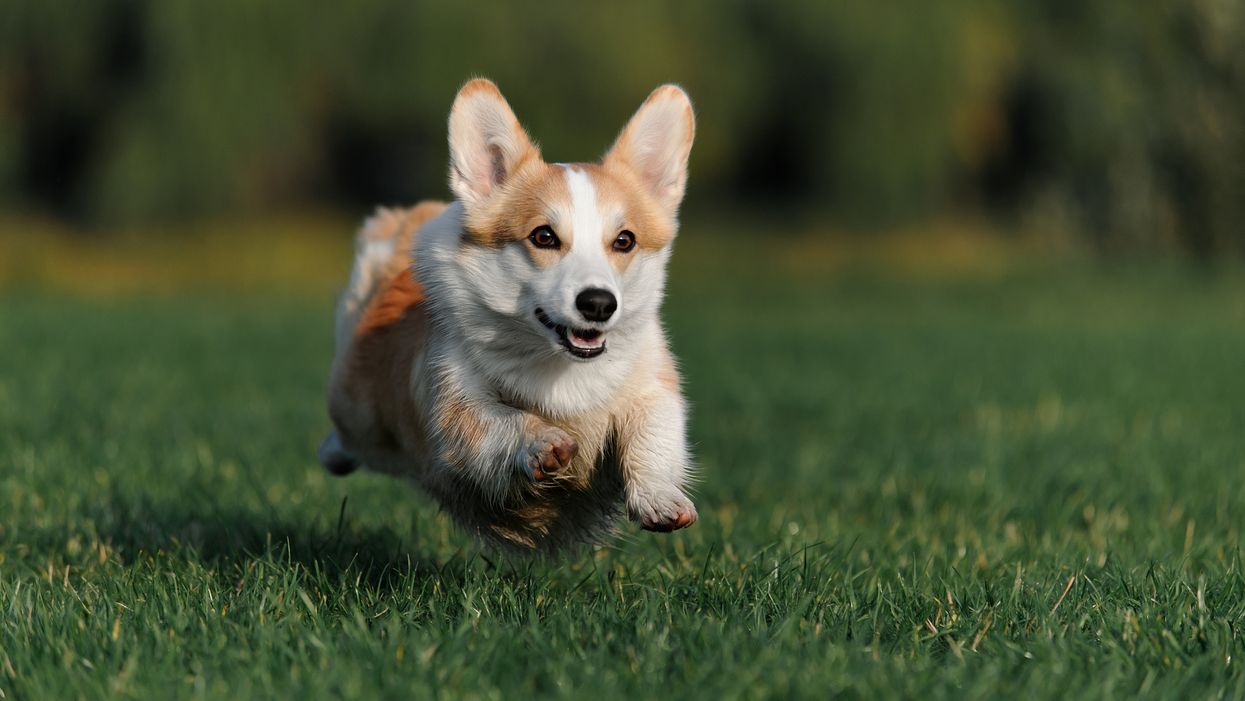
{"x": 504, "y": 352}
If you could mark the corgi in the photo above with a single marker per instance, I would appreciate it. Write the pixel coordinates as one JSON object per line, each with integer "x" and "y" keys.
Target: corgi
{"x": 504, "y": 352}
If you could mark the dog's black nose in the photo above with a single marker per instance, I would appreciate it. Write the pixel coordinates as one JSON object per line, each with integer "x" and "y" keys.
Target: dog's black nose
{"x": 596, "y": 304}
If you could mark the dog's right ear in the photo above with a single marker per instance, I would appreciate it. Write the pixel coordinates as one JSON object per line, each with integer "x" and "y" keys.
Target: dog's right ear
{"x": 487, "y": 144}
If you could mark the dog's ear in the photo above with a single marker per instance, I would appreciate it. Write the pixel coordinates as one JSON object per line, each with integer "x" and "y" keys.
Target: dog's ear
{"x": 656, "y": 142}
{"x": 487, "y": 144}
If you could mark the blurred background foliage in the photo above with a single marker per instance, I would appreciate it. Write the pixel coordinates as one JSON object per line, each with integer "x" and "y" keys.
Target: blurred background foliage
{"x": 1121, "y": 124}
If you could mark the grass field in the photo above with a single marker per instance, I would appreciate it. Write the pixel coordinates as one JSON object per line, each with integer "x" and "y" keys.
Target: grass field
{"x": 1026, "y": 482}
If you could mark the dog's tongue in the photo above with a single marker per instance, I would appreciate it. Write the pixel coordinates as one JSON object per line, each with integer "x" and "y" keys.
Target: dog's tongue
{"x": 587, "y": 339}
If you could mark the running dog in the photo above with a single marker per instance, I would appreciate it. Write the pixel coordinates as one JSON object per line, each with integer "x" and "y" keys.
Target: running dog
{"x": 504, "y": 352}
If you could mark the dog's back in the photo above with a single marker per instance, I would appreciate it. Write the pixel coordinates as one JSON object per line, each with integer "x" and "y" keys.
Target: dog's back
{"x": 382, "y": 252}
{"x": 381, "y": 330}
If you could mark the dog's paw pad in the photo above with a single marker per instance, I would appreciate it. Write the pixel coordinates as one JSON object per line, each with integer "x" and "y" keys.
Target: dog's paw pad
{"x": 549, "y": 452}
{"x": 662, "y": 513}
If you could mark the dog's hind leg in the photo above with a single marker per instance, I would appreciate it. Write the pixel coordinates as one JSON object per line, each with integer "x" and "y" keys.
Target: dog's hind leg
{"x": 333, "y": 456}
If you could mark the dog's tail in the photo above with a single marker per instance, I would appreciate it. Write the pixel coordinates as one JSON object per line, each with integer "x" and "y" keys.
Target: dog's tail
{"x": 382, "y": 250}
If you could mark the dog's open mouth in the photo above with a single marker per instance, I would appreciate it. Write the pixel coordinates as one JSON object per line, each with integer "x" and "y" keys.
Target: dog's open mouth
{"x": 581, "y": 343}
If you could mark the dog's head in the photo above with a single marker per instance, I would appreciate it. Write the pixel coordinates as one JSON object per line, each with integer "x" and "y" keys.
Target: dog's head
{"x": 563, "y": 257}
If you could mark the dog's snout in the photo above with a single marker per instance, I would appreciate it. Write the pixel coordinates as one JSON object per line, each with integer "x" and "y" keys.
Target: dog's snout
{"x": 596, "y": 304}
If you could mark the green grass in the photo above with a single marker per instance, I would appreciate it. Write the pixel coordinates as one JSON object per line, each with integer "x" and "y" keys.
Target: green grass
{"x": 1029, "y": 484}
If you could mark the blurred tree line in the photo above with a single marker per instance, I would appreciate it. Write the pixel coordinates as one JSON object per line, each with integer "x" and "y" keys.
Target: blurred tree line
{"x": 1122, "y": 121}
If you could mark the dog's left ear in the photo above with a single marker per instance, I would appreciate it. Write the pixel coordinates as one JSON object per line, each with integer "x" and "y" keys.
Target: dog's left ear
{"x": 487, "y": 144}
{"x": 656, "y": 143}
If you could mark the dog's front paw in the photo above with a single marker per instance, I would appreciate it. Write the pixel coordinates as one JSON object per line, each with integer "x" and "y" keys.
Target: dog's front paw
{"x": 661, "y": 511}
{"x": 548, "y": 452}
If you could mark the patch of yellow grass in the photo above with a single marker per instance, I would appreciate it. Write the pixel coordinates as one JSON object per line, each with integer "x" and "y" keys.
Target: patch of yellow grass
{"x": 306, "y": 252}
{"x": 933, "y": 250}
{"x": 298, "y": 253}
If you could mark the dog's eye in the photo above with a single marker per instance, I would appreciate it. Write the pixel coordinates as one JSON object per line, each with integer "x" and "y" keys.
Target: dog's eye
{"x": 624, "y": 242}
{"x": 543, "y": 237}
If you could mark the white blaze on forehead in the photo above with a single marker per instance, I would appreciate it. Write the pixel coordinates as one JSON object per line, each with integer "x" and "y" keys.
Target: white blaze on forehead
{"x": 586, "y": 223}
{"x": 586, "y": 265}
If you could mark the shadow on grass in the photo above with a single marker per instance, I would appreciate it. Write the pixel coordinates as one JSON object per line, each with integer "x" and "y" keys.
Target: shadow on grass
{"x": 232, "y": 539}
